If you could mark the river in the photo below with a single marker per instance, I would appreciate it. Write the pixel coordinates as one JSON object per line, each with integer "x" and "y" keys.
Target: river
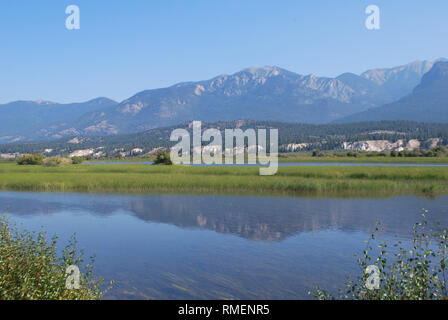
{"x": 219, "y": 247}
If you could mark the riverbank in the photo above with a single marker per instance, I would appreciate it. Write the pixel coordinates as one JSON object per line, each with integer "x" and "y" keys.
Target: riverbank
{"x": 290, "y": 180}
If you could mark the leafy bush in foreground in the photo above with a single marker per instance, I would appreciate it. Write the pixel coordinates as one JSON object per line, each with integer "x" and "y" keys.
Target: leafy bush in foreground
{"x": 31, "y": 269}
{"x": 418, "y": 273}
{"x": 31, "y": 159}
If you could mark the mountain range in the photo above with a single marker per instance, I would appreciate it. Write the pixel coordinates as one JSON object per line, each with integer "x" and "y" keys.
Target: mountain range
{"x": 25, "y": 120}
{"x": 268, "y": 93}
{"x": 428, "y": 102}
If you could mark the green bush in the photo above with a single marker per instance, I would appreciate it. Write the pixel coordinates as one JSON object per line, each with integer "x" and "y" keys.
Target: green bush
{"x": 163, "y": 157}
{"x": 77, "y": 160}
{"x": 30, "y": 268}
{"x": 52, "y": 162}
{"x": 31, "y": 159}
{"x": 415, "y": 273}
{"x": 352, "y": 154}
{"x": 440, "y": 149}
{"x": 317, "y": 153}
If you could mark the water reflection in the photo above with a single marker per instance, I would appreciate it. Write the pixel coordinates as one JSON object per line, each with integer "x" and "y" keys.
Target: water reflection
{"x": 254, "y": 218}
{"x": 219, "y": 247}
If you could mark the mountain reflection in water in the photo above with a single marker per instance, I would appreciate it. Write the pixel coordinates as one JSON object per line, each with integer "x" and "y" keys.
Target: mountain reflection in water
{"x": 254, "y": 218}
{"x": 219, "y": 247}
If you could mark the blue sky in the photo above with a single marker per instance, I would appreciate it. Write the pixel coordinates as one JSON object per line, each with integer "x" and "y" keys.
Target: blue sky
{"x": 127, "y": 46}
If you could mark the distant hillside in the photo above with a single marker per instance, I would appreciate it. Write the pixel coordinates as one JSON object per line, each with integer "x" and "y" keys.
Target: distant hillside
{"x": 428, "y": 102}
{"x": 24, "y": 120}
{"x": 292, "y": 137}
{"x": 399, "y": 81}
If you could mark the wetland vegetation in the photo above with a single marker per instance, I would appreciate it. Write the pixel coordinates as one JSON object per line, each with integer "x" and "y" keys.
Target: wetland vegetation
{"x": 290, "y": 180}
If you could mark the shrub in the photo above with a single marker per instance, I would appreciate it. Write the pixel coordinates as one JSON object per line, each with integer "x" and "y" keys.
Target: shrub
{"x": 77, "y": 160}
{"x": 418, "y": 273}
{"x": 317, "y": 153}
{"x": 430, "y": 153}
{"x": 56, "y": 162}
{"x": 31, "y": 159}
{"x": 51, "y": 162}
{"x": 30, "y": 268}
{"x": 163, "y": 157}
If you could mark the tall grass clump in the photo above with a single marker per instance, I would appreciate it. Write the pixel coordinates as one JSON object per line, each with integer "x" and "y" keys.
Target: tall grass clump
{"x": 30, "y": 268}
{"x": 56, "y": 162}
{"x": 417, "y": 272}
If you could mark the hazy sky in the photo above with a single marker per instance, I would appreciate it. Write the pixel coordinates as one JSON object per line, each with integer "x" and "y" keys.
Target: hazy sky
{"x": 127, "y": 46}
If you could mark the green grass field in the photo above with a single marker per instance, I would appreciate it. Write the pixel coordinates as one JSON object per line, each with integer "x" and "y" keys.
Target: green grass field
{"x": 293, "y": 181}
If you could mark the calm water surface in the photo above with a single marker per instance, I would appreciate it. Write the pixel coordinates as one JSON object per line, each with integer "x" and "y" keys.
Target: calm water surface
{"x": 213, "y": 247}
{"x": 295, "y": 164}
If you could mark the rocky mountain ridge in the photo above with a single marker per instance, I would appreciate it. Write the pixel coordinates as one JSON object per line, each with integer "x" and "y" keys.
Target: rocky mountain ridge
{"x": 267, "y": 93}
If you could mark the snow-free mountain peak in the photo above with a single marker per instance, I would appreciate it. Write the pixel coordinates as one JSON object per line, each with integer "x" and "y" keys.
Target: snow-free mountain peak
{"x": 258, "y": 93}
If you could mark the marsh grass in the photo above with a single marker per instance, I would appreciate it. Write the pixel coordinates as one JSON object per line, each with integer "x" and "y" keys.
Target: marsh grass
{"x": 325, "y": 181}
